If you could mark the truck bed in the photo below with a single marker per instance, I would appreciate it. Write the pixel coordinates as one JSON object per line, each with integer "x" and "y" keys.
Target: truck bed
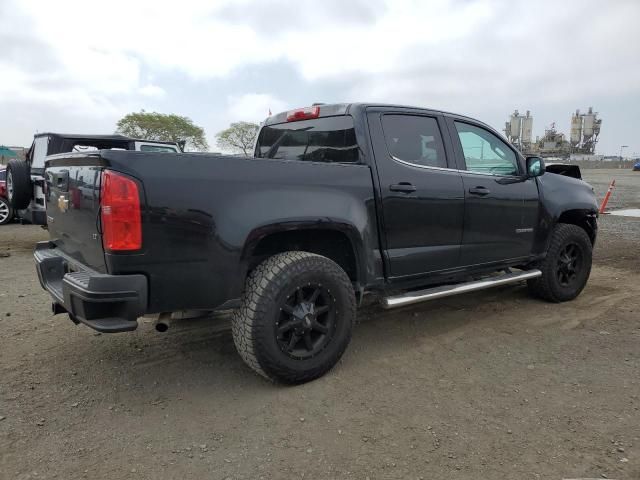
{"x": 200, "y": 213}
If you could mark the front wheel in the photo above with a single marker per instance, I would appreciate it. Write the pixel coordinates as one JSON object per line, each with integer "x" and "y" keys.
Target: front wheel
{"x": 6, "y": 212}
{"x": 566, "y": 268}
{"x": 296, "y": 317}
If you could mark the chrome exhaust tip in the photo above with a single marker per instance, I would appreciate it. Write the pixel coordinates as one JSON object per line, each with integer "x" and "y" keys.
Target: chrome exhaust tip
{"x": 163, "y": 322}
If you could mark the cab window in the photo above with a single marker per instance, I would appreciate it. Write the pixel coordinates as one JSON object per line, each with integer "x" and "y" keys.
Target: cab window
{"x": 414, "y": 139}
{"x": 484, "y": 152}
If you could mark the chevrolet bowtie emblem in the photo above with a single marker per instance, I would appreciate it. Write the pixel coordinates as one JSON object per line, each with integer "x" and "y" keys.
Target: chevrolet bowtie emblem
{"x": 63, "y": 203}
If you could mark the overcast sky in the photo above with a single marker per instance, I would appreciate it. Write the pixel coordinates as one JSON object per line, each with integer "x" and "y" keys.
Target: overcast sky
{"x": 79, "y": 65}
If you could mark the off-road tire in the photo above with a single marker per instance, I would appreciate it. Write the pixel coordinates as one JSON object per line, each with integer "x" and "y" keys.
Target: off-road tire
{"x": 254, "y": 323}
{"x": 19, "y": 176}
{"x": 5, "y": 207}
{"x": 548, "y": 286}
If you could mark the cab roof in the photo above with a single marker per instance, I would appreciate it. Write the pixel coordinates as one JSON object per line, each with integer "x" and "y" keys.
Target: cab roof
{"x": 329, "y": 110}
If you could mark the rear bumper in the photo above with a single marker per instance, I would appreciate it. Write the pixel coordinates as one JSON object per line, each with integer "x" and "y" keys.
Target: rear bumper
{"x": 106, "y": 303}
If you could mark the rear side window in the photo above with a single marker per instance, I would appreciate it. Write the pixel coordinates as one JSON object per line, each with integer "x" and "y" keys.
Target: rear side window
{"x": 40, "y": 150}
{"x": 329, "y": 139}
{"x": 3, "y": 175}
{"x": 414, "y": 139}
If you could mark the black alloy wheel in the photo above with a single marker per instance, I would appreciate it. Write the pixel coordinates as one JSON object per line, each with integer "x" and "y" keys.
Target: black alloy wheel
{"x": 566, "y": 266}
{"x": 569, "y": 264}
{"x": 306, "y": 321}
{"x": 295, "y": 318}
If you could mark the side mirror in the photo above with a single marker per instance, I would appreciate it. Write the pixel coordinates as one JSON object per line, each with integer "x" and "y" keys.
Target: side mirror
{"x": 535, "y": 166}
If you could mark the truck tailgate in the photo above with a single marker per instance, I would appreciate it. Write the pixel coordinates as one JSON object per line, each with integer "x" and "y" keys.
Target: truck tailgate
{"x": 73, "y": 208}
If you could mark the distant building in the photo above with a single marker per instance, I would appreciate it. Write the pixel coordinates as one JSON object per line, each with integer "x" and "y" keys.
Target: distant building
{"x": 584, "y": 157}
{"x": 7, "y": 153}
{"x": 552, "y": 144}
{"x": 584, "y": 133}
{"x": 519, "y": 130}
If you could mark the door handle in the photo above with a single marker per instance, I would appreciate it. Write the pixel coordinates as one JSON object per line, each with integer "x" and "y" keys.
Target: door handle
{"x": 405, "y": 187}
{"x": 482, "y": 191}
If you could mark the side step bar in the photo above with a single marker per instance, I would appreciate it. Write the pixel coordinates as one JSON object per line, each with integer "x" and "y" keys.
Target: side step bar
{"x": 449, "y": 290}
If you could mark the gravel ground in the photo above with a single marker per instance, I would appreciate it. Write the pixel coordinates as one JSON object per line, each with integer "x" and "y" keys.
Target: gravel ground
{"x": 490, "y": 385}
{"x": 622, "y": 232}
{"x": 626, "y": 193}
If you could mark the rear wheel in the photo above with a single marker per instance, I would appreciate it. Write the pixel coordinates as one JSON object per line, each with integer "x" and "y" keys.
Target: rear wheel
{"x": 6, "y": 212}
{"x": 566, "y": 268}
{"x": 18, "y": 184}
{"x": 296, "y": 317}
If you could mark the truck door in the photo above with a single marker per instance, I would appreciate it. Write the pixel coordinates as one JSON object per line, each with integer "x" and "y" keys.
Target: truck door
{"x": 501, "y": 209}
{"x": 420, "y": 190}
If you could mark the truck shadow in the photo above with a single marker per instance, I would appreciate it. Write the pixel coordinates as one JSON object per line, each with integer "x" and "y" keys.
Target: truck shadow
{"x": 199, "y": 353}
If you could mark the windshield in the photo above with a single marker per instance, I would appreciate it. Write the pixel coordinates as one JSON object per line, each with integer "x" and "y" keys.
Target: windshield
{"x": 329, "y": 139}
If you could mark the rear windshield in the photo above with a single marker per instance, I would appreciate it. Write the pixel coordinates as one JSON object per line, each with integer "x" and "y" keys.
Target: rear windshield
{"x": 329, "y": 139}
{"x": 157, "y": 148}
{"x": 3, "y": 175}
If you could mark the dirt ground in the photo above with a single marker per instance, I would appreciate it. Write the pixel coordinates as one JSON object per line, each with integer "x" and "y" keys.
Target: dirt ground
{"x": 491, "y": 385}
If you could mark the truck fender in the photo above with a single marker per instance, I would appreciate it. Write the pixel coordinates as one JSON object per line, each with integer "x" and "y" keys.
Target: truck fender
{"x": 311, "y": 225}
{"x": 565, "y": 200}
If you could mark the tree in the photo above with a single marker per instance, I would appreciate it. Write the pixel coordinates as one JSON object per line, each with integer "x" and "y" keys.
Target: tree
{"x": 163, "y": 127}
{"x": 239, "y": 137}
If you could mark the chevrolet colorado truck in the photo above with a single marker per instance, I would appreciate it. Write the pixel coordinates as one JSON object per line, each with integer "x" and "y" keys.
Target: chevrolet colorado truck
{"x": 339, "y": 201}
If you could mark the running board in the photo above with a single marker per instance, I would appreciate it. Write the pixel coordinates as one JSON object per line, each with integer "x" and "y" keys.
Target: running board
{"x": 449, "y": 290}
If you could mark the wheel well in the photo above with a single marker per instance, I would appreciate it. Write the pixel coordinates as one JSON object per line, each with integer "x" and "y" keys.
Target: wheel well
{"x": 583, "y": 219}
{"x": 332, "y": 244}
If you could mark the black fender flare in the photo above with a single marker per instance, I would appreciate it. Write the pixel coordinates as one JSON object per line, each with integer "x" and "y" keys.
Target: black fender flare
{"x": 350, "y": 231}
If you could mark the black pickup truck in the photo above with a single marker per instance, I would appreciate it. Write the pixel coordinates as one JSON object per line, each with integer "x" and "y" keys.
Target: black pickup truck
{"x": 339, "y": 201}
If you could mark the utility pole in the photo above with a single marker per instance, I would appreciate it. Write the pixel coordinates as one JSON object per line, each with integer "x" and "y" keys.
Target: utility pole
{"x": 621, "y": 147}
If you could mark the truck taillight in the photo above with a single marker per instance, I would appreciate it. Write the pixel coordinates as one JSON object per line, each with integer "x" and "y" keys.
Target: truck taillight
{"x": 120, "y": 212}
{"x": 303, "y": 114}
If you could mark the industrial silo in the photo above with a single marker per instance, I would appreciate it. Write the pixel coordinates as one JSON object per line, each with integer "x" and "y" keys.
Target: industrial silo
{"x": 576, "y": 129}
{"x": 588, "y": 124}
{"x": 516, "y": 124}
{"x": 527, "y": 128}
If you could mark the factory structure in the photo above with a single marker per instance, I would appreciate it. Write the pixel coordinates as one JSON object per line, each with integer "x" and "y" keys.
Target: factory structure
{"x": 583, "y": 136}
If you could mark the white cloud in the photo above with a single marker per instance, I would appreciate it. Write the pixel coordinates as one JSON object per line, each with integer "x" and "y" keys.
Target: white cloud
{"x": 18, "y": 87}
{"x": 151, "y": 90}
{"x": 51, "y": 68}
{"x": 499, "y": 43}
{"x": 204, "y": 44}
{"x": 253, "y": 107}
